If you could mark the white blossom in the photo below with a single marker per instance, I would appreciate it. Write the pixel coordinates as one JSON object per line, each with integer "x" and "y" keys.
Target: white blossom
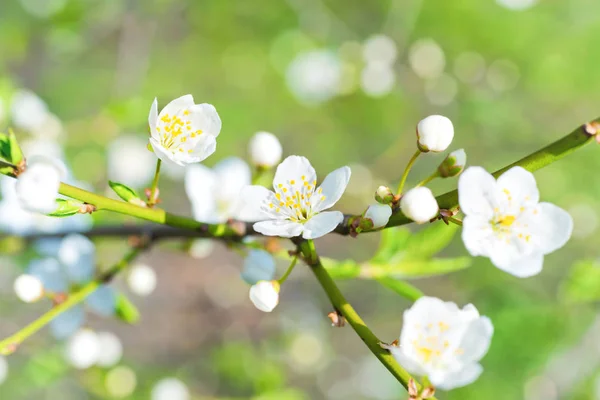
{"x": 265, "y": 295}
{"x": 37, "y": 187}
{"x": 170, "y": 389}
{"x": 265, "y": 150}
{"x": 296, "y": 206}
{"x": 141, "y": 279}
{"x": 443, "y": 342}
{"x": 129, "y": 161}
{"x": 215, "y": 193}
{"x": 419, "y": 204}
{"x": 314, "y": 77}
{"x": 434, "y": 133}
{"x": 111, "y": 349}
{"x": 28, "y": 288}
{"x": 28, "y": 111}
{"x": 379, "y": 214}
{"x": 505, "y": 221}
{"x": 259, "y": 265}
{"x": 83, "y": 349}
{"x": 184, "y": 132}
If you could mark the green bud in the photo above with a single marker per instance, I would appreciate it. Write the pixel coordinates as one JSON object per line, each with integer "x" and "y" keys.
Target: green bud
{"x": 16, "y": 155}
{"x": 453, "y": 164}
{"x": 125, "y": 310}
{"x": 4, "y": 147}
{"x": 384, "y": 195}
{"x": 66, "y": 208}
{"x": 126, "y": 193}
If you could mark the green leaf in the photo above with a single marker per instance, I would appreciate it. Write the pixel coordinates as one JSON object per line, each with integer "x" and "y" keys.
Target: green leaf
{"x": 125, "y": 310}
{"x": 431, "y": 240}
{"x": 414, "y": 268}
{"x": 16, "y": 155}
{"x": 393, "y": 240}
{"x": 582, "y": 285}
{"x": 66, "y": 208}
{"x": 345, "y": 269}
{"x": 126, "y": 193}
{"x": 4, "y": 147}
{"x": 404, "y": 289}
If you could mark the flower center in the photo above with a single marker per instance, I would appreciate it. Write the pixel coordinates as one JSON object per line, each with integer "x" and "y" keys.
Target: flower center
{"x": 297, "y": 199}
{"x": 175, "y": 130}
{"x": 430, "y": 344}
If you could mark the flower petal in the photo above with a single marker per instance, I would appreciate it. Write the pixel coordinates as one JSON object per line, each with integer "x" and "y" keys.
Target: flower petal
{"x": 477, "y": 235}
{"x": 50, "y": 272}
{"x": 522, "y": 268}
{"x": 153, "y": 118}
{"x": 333, "y": 188}
{"x": 281, "y": 227}
{"x": 177, "y": 105}
{"x": 293, "y": 168}
{"x": 477, "y": 192}
{"x": 200, "y": 183}
{"x": 68, "y": 322}
{"x": 517, "y": 188}
{"x": 103, "y": 300}
{"x": 163, "y": 154}
{"x": 203, "y": 149}
{"x": 253, "y": 198}
{"x": 259, "y": 265}
{"x": 321, "y": 224}
{"x": 551, "y": 227}
{"x": 453, "y": 380}
{"x": 205, "y": 117}
{"x": 476, "y": 341}
{"x": 408, "y": 363}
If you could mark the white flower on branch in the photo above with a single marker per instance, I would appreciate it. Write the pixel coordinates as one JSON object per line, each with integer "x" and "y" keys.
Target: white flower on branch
{"x": 75, "y": 266}
{"x": 215, "y": 193}
{"x": 265, "y": 295}
{"x": 296, "y": 207}
{"x": 419, "y": 204}
{"x": 379, "y": 214}
{"x": 259, "y": 265}
{"x": 184, "y": 132}
{"x": 111, "y": 349}
{"x": 37, "y": 187}
{"x": 28, "y": 288}
{"x": 170, "y": 389}
{"x": 83, "y": 349}
{"x": 505, "y": 221}
{"x": 265, "y": 150}
{"x": 141, "y": 279}
{"x": 434, "y": 133}
{"x": 443, "y": 342}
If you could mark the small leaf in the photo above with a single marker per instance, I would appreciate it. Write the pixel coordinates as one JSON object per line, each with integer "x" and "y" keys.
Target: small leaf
{"x": 16, "y": 155}
{"x": 431, "y": 240}
{"x": 4, "y": 147}
{"x": 582, "y": 284}
{"x": 66, "y": 208}
{"x": 125, "y": 310}
{"x": 345, "y": 269}
{"x": 404, "y": 289}
{"x": 126, "y": 193}
{"x": 393, "y": 241}
{"x": 414, "y": 268}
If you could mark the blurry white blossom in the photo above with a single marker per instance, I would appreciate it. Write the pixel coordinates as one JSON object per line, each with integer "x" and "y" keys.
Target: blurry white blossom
{"x": 141, "y": 279}
{"x": 314, "y": 77}
{"x": 111, "y": 349}
{"x": 201, "y": 248}
{"x": 296, "y": 207}
{"x": 259, "y": 265}
{"x": 51, "y": 128}
{"x": 265, "y": 150}
{"x": 426, "y": 58}
{"x": 434, "y": 133}
{"x": 83, "y": 349}
{"x": 377, "y": 79}
{"x": 379, "y": 214}
{"x": 505, "y": 221}
{"x": 37, "y": 187}
{"x": 215, "y": 193}
{"x": 129, "y": 161}
{"x": 184, "y": 132}
{"x": 28, "y": 111}
{"x": 170, "y": 389}
{"x": 265, "y": 295}
{"x": 443, "y": 342}
{"x": 28, "y": 288}
{"x": 45, "y": 147}
{"x": 380, "y": 49}
{"x": 419, "y": 204}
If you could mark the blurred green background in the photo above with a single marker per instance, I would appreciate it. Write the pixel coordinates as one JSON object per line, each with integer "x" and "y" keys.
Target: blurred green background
{"x": 340, "y": 82}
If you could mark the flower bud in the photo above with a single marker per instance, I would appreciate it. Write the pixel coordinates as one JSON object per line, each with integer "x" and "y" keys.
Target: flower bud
{"x": 453, "y": 164}
{"x": 258, "y": 266}
{"x": 434, "y": 133}
{"x": 419, "y": 205}
{"x": 265, "y": 150}
{"x": 265, "y": 295}
{"x": 384, "y": 195}
{"x": 379, "y": 214}
{"x": 28, "y": 288}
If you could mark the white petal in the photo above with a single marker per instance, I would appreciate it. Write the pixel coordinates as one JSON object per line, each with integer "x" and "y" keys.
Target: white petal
{"x": 153, "y": 118}
{"x": 379, "y": 214}
{"x": 293, "y": 167}
{"x": 333, "y": 187}
{"x": 281, "y": 227}
{"x": 68, "y": 322}
{"x": 465, "y": 376}
{"x": 203, "y": 149}
{"x": 551, "y": 227}
{"x": 103, "y": 300}
{"x": 517, "y": 188}
{"x": 253, "y": 198}
{"x": 265, "y": 295}
{"x": 477, "y": 235}
{"x": 200, "y": 183}
{"x": 77, "y": 253}
{"x": 205, "y": 117}
{"x": 259, "y": 265}
{"x": 50, "y": 272}
{"x": 321, "y": 224}
{"x": 419, "y": 204}
{"x": 233, "y": 174}
{"x": 476, "y": 341}
{"x": 163, "y": 154}
{"x": 522, "y": 268}
{"x": 477, "y": 192}
{"x": 406, "y": 362}
{"x": 177, "y": 105}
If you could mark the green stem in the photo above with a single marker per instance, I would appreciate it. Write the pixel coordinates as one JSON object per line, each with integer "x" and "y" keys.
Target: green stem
{"x": 152, "y": 199}
{"x": 289, "y": 270}
{"x": 431, "y": 177}
{"x": 409, "y": 166}
{"x": 455, "y": 221}
{"x": 541, "y": 158}
{"x": 10, "y": 344}
{"x": 347, "y": 311}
